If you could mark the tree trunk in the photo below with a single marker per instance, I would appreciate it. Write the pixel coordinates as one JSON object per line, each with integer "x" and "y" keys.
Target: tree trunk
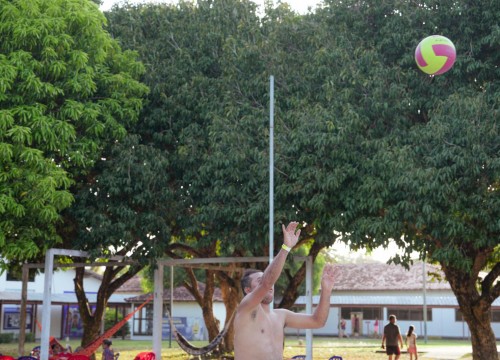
{"x": 91, "y": 320}
{"x": 91, "y": 329}
{"x": 291, "y": 292}
{"x": 211, "y": 322}
{"x": 484, "y": 345}
{"x": 231, "y": 296}
{"x": 476, "y": 310}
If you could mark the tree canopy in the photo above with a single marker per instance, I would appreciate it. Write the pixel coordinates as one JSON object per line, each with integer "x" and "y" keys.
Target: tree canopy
{"x": 368, "y": 149}
{"x": 367, "y": 146}
{"x": 66, "y": 90}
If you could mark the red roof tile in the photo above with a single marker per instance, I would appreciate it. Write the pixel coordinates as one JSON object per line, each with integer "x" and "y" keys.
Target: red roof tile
{"x": 379, "y": 277}
{"x": 131, "y": 286}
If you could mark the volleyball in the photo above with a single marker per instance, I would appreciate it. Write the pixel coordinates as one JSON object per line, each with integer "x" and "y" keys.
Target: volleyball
{"x": 435, "y": 55}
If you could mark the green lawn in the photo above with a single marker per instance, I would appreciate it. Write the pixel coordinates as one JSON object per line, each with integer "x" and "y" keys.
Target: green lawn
{"x": 324, "y": 347}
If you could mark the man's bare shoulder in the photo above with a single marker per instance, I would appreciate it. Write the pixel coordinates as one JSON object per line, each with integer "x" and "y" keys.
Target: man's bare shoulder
{"x": 284, "y": 311}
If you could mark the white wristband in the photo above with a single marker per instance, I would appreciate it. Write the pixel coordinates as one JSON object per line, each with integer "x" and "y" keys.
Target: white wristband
{"x": 286, "y": 248}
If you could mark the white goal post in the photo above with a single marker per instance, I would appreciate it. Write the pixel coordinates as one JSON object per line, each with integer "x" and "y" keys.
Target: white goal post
{"x": 158, "y": 291}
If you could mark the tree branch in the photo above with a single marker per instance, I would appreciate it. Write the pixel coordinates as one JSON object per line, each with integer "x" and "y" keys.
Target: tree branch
{"x": 495, "y": 292}
{"x": 480, "y": 261}
{"x": 487, "y": 283}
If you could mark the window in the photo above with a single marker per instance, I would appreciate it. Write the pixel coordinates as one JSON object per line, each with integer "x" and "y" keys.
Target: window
{"x": 18, "y": 276}
{"x": 495, "y": 315}
{"x": 12, "y": 318}
{"x": 368, "y": 313}
{"x": 414, "y": 314}
{"x": 346, "y": 312}
{"x": 143, "y": 321}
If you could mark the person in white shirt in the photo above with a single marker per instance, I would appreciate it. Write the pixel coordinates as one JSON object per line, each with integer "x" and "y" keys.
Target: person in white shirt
{"x": 411, "y": 342}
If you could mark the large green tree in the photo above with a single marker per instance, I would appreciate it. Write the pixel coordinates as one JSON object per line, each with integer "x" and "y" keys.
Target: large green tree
{"x": 123, "y": 209}
{"x": 67, "y": 93}
{"x": 415, "y": 157}
{"x": 66, "y": 89}
{"x": 208, "y": 111}
{"x": 366, "y": 145}
{"x": 182, "y": 45}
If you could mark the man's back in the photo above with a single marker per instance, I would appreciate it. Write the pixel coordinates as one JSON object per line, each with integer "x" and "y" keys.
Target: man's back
{"x": 391, "y": 332}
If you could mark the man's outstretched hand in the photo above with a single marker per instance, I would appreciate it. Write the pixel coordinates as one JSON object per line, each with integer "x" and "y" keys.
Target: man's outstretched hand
{"x": 290, "y": 235}
{"x": 327, "y": 279}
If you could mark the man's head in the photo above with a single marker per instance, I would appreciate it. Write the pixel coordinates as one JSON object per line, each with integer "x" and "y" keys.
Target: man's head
{"x": 250, "y": 280}
{"x": 392, "y": 318}
{"x": 246, "y": 280}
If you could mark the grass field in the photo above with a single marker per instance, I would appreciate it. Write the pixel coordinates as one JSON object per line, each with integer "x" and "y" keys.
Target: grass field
{"x": 349, "y": 349}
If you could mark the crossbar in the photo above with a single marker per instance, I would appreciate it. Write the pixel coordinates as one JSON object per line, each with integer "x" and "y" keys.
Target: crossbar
{"x": 158, "y": 293}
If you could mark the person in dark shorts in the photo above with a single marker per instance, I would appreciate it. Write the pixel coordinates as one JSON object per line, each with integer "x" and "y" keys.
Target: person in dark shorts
{"x": 392, "y": 336}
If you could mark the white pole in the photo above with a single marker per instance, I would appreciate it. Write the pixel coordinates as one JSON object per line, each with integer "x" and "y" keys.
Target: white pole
{"x": 309, "y": 300}
{"x": 271, "y": 171}
{"x": 47, "y": 304}
{"x": 47, "y": 294}
{"x": 171, "y": 302}
{"x": 424, "y": 278}
{"x": 158, "y": 310}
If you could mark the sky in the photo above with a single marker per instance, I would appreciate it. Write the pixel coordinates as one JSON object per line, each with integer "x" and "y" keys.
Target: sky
{"x": 299, "y": 5}
{"x": 380, "y": 254}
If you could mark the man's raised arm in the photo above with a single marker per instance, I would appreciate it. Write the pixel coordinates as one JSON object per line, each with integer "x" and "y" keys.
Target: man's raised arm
{"x": 320, "y": 315}
{"x": 273, "y": 270}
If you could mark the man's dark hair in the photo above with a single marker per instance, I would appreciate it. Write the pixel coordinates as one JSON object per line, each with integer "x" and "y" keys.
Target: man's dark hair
{"x": 245, "y": 280}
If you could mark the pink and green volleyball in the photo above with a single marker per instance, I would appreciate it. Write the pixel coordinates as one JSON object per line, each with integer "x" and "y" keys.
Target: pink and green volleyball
{"x": 435, "y": 55}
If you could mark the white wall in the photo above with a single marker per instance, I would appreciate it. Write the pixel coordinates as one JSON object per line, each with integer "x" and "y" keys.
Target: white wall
{"x": 443, "y": 324}
{"x": 189, "y": 310}
{"x": 62, "y": 282}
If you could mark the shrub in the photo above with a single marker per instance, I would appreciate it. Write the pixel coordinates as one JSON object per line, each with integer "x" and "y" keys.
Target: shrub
{"x": 30, "y": 337}
{"x": 111, "y": 318}
{"x": 6, "y": 338}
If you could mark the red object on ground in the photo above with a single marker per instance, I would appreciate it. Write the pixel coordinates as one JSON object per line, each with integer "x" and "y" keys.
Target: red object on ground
{"x": 78, "y": 357}
{"x": 61, "y": 356}
{"x": 146, "y": 355}
{"x": 6, "y": 357}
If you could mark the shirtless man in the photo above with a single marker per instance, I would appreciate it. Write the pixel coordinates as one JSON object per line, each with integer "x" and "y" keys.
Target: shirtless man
{"x": 259, "y": 329}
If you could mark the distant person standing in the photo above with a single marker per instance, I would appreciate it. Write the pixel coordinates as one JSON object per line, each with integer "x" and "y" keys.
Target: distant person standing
{"x": 342, "y": 326}
{"x": 392, "y": 336}
{"x": 411, "y": 342}
{"x": 375, "y": 328}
